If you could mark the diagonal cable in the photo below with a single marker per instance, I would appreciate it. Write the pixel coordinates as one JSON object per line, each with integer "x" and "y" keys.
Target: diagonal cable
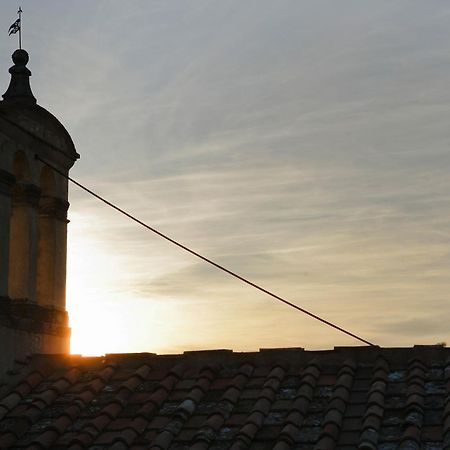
{"x": 204, "y": 258}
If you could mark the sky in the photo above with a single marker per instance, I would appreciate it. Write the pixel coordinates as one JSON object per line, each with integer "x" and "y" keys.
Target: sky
{"x": 302, "y": 143}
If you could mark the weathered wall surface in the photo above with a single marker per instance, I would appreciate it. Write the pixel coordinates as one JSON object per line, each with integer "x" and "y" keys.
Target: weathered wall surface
{"x": 27, "y": 328}
{"x": 16, "y": 344}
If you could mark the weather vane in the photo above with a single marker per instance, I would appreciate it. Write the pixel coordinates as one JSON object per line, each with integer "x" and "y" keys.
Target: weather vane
{"x": 17, "y": 27}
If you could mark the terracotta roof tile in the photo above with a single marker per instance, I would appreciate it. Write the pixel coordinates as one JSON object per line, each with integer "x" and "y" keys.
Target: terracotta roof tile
{"x": 336, "y": 408}
{"x": 138, "y": 425}
{"x": 144, "y": 412}
{"x": 375, "y": 406}
{"x": 256, "y": 418}
{"x": 215, "y": 421}
{"x": 366, "y": 398}
{"x": 414, "y": 407}
{"x": 19, "y": 392}
{"x": 184, "y": 410}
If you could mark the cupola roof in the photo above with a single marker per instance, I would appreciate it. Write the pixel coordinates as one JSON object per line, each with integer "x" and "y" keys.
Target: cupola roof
{"x": 19, "y": 107}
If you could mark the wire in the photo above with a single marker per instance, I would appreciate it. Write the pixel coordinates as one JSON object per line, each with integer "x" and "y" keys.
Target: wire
{"x": 209, "y": 261}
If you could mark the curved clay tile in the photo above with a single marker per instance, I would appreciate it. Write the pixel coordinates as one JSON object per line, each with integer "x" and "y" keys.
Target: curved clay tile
{"x": 414, "y": 406}
{"x": 41, "y": 401}
{"x": 331, "y": 426}
{"x": 184, "y": 410}
{"x": 294, "y": 419}
{"x": 375, "y": 407}
{"x": 261, "y": 409}
{"x": 147, "y": 411}
{"x": 19, "y": 392}
{"x": 209, "y": 430}
{"x": 109, "y": 412}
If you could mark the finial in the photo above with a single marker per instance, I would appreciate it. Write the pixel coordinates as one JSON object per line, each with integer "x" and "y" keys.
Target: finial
{"x": 19, "y": 87}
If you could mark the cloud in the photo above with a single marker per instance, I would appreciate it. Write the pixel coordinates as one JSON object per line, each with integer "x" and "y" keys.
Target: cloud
{"x": 423, "y": 326}
{"x": 303, "y": 144}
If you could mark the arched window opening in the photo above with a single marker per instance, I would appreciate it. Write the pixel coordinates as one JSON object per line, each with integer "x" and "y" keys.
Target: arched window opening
{"x": 47, "y": 243}
{"x": 47, "y": 182}
{"x": 23, "y": 230}
{"x": 21, "y": 168}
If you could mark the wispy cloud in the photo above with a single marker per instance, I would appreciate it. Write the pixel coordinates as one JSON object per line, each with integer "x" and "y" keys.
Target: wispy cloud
{"x": 303, "y": 144}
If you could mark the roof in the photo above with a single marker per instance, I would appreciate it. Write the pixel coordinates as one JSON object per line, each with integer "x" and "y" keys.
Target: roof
{"x": 19, "y": 108}
{"x": 39, "y": 123}
{"x": 346, "y": 398}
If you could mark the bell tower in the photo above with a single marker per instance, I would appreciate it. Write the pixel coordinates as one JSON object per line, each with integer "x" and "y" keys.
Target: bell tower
{"x": 33, "y": 222}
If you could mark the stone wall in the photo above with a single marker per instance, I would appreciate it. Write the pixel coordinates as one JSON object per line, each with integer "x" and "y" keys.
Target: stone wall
{"x": 27, "y": 328}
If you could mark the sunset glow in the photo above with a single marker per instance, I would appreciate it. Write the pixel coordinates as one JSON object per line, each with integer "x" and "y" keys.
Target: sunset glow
{"x": 303, "y": 144}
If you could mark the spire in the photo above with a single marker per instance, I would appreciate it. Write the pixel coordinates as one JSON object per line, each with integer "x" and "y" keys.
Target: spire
{"x": 19, "y": 87}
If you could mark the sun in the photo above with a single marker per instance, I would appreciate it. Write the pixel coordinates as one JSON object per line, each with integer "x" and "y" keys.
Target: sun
{"x": 105, "y": 313}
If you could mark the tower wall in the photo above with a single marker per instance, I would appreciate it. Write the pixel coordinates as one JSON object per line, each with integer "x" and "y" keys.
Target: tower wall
{"x": 33, "y": 223}
{"x": 27, "y": 328}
